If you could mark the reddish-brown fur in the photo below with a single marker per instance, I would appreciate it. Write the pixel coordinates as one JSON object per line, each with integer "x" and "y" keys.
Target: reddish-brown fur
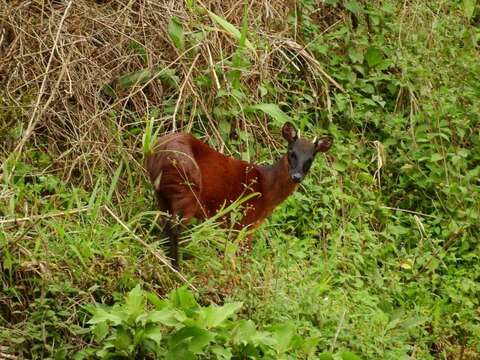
{"x": 193, "y": 180}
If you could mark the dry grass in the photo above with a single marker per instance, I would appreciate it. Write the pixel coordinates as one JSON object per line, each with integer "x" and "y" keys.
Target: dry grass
{"x": 56, "y": 56}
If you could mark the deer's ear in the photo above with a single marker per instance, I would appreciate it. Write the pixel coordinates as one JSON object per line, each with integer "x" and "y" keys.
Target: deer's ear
{"x": 289, "y": 132}
{"x": 323, "y": 144}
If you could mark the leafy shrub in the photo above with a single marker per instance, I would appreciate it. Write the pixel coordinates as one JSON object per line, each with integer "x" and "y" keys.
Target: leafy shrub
{"x": 144, "y": 326}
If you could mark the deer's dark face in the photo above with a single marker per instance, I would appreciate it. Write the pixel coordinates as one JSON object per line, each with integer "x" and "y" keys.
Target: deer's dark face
{"x": 301, "y": 152}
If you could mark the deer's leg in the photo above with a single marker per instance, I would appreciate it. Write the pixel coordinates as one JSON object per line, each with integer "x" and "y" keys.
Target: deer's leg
{"x": 181, "y": 216}
{"x": 172, "y": 231}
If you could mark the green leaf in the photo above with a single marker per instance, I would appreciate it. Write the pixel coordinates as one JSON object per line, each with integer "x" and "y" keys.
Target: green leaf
{"x": 224, "y": 127}
{"x": 469, "y": 8}
{"x": 348, "y": 355}
{"x": 183, "y": 299}
{"x": 325, "y": 356}
{"x": 310, "y": 344}
{"x": 180, "y": 352}
{"x": 135, "y": 302}
{"x": 243, "y": 332}
{"x": 283, "y": 334}
{"x": 200, "y": 341}
{"x": 373, "y": 56}
{"x": 139, "y": 49}
{"x": 192, "y": 337}
{"x": 135, "y": 77}
{"x": 436, "y": 157}
{"x": 273, "y": 110}
{"x": 153, "y": 333}
{"x": 100, "y": 330}
{"x": 353, "y": 6}
{"x": 7, "y": 260}
{"x": 355, "y": 55}
{"x": 141, "y": 77}
{"x": 154, "y": 299}
{"x": 221, "y": 352}
{"x": 340, "y": 165}
{"x": 213, "y": 315}
{"x": 230, "y": 29}
{"x": 168, "y": 317}
{"x": 109, "y": 90}
{"x": 101, "y": 315}
{"x": 264, "y": 338}
{"x": 175, "y": 30}
{"x": 414, "y": 322}
{"x": 122, "y": 339}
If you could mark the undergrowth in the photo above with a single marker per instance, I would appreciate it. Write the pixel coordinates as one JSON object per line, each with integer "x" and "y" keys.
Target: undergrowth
{"x": 376, "y": 256}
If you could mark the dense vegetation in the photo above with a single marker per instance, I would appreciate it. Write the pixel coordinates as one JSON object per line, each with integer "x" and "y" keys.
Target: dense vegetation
{"x": 376, "y": 256}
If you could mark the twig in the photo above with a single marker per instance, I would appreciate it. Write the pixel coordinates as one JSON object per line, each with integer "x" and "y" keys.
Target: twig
{"x": 407, "y": 211}
{"x": 182, "y": 87}
{"x": 339, "y": 327}
{"x": 45, "y": 216}
{"x": 148, "y": 247}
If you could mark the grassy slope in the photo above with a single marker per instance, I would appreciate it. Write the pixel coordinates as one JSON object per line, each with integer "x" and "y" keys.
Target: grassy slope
{"x": 336, "y": 258}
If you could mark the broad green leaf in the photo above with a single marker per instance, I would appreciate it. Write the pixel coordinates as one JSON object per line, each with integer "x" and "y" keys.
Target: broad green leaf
{"x": 414, "y": 322}
{"x": 243, "y": 332}
{"x": 436, "y": 157}
{"x": 221, "y": 352}
{"x": 154, "y": 333}
{"x": 168, "y": 317}
{"x": 183, "y": 299}
{"x": 230, "y": 29}
{"x": 152, "y": 297}
{"x": 135, "y": 302}
{"x": 264, "y": 338}
{"x": 273, "y": 110}
{"x": 373, "y": 56}
{"x": 200, "y": 341}
{"x": 469, "y": 7}
{"x": 122, "y": 339}
{"x": 191, "y": 337}
{"x": 348, "y": 355}
{"x": 100, "y": 330}
{"x": 180, "y": 352}
{"x": 224, "y": 127}
{"x": 355, "y": 55}
{"x": 101, "y": 315}
{"x": 175, "y": 30}
{"x": 340, "y": 165}
{"x": 283, "y": 334}
{"x": 325, "y": 356}
{"x": 310, "y": 345}
{"x": 213, "y": 315}
{"x": 407, "y": 264}
{"x": 353, "y": 6}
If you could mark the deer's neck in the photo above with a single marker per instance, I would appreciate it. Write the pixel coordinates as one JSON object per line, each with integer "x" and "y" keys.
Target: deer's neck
{"x": 277, "y": 185}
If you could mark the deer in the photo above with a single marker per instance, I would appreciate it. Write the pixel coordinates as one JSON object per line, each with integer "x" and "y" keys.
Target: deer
{"x": 192, "y": 180}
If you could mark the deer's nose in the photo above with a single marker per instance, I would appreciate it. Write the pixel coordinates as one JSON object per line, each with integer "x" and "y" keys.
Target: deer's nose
{"x": 296, "y": 177}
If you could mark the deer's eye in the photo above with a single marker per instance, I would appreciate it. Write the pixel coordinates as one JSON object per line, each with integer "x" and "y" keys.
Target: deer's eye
{"x": 307, "y": 165}
{"x": 292, "y": 157}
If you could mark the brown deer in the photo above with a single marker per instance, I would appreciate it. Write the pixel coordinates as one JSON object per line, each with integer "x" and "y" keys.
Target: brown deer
{"x": 192, "y": 180}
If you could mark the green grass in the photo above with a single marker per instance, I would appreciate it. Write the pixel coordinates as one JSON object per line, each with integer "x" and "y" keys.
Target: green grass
{"x": 376, "y": 254}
